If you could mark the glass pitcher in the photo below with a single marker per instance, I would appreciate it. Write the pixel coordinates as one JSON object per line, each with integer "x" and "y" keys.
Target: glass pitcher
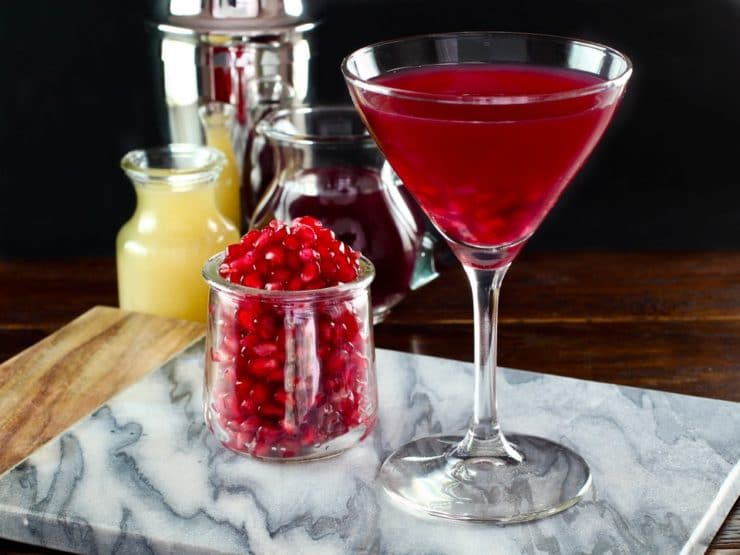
{"x": 328, "y": 166}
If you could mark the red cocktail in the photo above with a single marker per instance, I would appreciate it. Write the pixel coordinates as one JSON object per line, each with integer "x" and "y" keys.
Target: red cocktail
{"x": 488, "y": 174}
{"x": 486, "y": 130}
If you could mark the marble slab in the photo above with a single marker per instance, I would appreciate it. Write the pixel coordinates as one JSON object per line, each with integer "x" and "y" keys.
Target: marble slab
{"x": 143, "y": 475}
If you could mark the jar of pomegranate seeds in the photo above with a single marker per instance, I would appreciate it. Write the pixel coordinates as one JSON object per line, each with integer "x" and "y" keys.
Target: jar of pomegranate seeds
{"x": 290, "y": 375}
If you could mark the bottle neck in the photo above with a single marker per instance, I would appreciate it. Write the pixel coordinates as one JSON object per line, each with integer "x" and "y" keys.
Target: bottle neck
{"x": 219, "y": 136}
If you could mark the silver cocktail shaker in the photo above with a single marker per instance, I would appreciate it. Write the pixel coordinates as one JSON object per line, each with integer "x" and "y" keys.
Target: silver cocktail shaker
{"x": 253, "y": 54}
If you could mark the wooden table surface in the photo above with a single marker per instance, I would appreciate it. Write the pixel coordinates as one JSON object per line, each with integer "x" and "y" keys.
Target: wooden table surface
{"x": 668, "y": 321}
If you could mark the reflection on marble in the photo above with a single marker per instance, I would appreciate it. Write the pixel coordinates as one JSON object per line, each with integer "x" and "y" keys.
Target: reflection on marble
{"x": 143, "y": 475}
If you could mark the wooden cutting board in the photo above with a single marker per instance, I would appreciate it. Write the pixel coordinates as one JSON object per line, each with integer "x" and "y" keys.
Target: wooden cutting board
{"x": 54, "y": 383}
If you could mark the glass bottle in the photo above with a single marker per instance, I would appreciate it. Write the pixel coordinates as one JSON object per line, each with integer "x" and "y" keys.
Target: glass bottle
{"x": 218, "y": 119}
{"x": 176, "y": 227}
{"x": 328, "y": 166}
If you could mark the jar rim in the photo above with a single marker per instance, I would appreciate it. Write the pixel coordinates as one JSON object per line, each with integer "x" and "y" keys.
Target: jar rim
{"x": 181, "y": 165}
{"x": 268, "y": 126}
{"x": 214, "y": 279}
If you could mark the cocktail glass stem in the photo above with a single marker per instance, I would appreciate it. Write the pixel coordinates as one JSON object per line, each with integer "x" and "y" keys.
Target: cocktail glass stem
{"x": 484, "y": 437}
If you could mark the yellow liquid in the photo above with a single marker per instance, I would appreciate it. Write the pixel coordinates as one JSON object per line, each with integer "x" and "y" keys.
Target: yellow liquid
{"x": 161, "y": 250}
{"x": 227, "y": 189}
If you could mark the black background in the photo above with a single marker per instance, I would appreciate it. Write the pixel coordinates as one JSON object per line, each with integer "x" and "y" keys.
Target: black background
{"x": 77, "y": 91}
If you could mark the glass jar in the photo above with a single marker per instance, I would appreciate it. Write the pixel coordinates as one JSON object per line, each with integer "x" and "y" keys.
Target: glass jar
{"x": 328, "y": 166}
{"x": 175, "y": 227}
{"x": 218, "y": 119}
{"x": 289, "y": 374}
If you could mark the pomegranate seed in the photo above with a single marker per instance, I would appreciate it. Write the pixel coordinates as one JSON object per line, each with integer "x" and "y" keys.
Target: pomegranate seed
{"x": 250, "y": 238}
{"x": 245, "y": 319}
{"x": 309, "y": 221}
{"x": 260, "y": 367}
{"x": 325, "y": 330}
{"x": 276, "y": 376}
{"x": 351, "y": 323}
{"x": 262, "y": 268}
{"x": 328, "y": 268}
{"x": 270, "y": 410}
{"x": 229, "y": 406}
{"x": 260, "y": 393}
{"x": 346, "y": 274}
{"x": 248, "y": 342}
{"x": 325, "y": 235}
{"x": 247, "y": 407}
{"x": 280, "y": 234}
{"x": 275, "y": 255}
{"x": 293, "y": 261}
{"x": 218, "y": 355}
{"x": 281, "y": 274}
{"x": 311, "y": 270}
{"x": 306, "y": 235}
{"x": 295, "y": 284}
{"x": 243, "y": 264}
{"x": 324, "y": 250}
{"x": 339, "y": 333}
{"x": 266, "y": 326}
{"x": 253, "y": 423}
{"x": 292, "y": 243}
{"x": 315, "y": 284}
{"x": 253, "y": 280}
{"x": 242, "y": 388}
{"x": 335, "y": 362}
{"x": 263, "y": 240}
{"x": 265, "y": 349}
{"x": 307, "y": 254}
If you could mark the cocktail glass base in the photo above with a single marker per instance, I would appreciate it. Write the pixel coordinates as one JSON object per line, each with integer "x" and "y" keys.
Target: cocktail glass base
{"x": 427, "y": 475}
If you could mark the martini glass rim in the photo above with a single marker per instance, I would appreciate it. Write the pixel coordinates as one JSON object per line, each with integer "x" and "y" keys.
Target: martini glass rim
{"x": 367, "y": 84}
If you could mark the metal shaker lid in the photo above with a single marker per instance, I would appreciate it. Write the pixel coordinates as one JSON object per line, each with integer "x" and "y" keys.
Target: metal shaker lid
{"x": 234, "y": 16}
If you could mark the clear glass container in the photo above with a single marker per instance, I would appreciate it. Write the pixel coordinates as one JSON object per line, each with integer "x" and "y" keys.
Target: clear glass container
{"x": 328, "y": 166}
{"x": 218, "y": 119}
{"x": 175, "y": 227}
{"x": 289, "y": 375}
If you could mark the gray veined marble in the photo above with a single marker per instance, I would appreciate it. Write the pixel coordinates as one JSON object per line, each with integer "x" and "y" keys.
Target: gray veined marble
{"x": 143, "y": 475}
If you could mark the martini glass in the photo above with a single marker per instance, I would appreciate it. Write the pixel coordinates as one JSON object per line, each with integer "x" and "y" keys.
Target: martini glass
{"x": 486, "y": 130}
